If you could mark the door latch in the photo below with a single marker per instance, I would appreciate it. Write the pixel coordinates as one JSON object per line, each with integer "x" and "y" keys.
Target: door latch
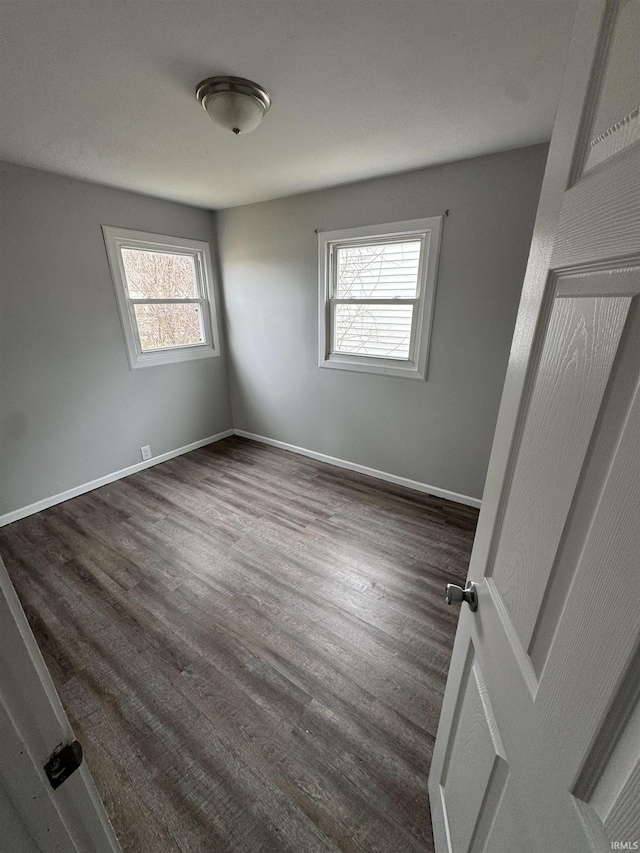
{"x": 65, "y": 760}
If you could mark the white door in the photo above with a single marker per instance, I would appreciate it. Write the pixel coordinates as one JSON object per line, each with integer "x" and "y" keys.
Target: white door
{"x": 538, "y": 748}
{"x": 33, "y": 817}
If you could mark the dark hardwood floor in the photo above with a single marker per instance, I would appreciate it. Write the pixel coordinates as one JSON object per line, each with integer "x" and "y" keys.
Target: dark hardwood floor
{"x": 252, "y": 647}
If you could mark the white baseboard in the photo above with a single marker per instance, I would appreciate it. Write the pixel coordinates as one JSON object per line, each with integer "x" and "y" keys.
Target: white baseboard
{"x": 24, "y": 511}
{"x": 363, "y": 469}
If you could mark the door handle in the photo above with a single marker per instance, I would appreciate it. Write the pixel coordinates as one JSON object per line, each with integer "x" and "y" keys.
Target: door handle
{"x": 456, "y": 595}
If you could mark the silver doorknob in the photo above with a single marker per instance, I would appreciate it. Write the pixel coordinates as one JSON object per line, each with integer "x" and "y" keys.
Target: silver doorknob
{"x": 456, "y": 595}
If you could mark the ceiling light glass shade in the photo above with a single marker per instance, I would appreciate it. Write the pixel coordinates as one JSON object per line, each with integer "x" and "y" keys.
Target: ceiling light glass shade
{"x": 240, "y": 113}
{"x": 233, "y": 102}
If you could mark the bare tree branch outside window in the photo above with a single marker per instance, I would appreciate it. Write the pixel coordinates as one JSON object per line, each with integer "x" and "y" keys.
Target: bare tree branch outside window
{"x": 383, "y": 272}
{"x": 158, "y": 276}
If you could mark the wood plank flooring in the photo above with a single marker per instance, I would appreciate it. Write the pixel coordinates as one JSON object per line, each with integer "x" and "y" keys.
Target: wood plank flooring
{"x": 252, "y": 647}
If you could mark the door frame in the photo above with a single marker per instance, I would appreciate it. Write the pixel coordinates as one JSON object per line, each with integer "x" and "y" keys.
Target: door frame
{"x": 34, "y": 724}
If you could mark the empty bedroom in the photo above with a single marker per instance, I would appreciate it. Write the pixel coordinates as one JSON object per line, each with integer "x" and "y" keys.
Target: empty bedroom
{"x": 262, "y": 265}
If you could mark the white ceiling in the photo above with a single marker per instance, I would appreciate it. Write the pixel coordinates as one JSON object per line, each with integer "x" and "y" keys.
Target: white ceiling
{"x": 104, "y": 91}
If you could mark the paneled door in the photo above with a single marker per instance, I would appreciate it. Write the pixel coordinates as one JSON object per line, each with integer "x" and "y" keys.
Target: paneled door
{"x": 538, "y": 748}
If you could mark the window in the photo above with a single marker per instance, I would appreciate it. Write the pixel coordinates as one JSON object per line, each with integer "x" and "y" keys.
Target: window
{"x": 376, "y": 292}
{"x": 164, "y": 289}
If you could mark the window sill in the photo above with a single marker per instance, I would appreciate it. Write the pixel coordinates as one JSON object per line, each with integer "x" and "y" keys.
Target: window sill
{"x": 405, "y": 370}
{"x": 154, "y": 359}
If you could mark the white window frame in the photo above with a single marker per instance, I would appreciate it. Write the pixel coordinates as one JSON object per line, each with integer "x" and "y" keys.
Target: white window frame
{"x": 428, "y": 231}
{"x": 117, "y": 239}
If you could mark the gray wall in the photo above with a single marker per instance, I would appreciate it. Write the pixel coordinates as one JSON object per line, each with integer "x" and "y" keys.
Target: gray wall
{"x": 71, "y": 410}
{"x": 440, "y": 431}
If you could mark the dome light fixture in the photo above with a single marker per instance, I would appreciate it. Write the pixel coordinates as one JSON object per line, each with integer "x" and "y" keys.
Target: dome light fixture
{"x": 235, "y": 103}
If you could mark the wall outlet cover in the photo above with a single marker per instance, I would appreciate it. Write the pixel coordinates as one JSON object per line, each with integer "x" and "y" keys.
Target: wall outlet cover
{"x": 146, "y": 452}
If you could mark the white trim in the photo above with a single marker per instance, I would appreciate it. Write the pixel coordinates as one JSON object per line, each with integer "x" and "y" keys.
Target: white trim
{"x": 364, "y": 469}
{"x": 116, "y": 239}
{"x": 24, "y": 511}
{"x": 429, "y": 232}
{"x": 34, "y": 723}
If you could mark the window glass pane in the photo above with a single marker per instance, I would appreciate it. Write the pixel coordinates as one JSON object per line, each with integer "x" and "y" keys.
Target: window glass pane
{"x": 159, "y": 275}
{"x": 373, "y": 330}
{"x": 378, "y": 272}
{"x": 161, "y": 326}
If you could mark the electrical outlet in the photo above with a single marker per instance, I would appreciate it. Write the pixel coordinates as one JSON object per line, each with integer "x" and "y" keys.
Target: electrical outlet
{"x": 146, "y": 452}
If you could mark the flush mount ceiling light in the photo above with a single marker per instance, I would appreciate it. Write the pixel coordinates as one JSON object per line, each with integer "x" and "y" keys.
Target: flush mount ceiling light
{"x": 234, "y": 102}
